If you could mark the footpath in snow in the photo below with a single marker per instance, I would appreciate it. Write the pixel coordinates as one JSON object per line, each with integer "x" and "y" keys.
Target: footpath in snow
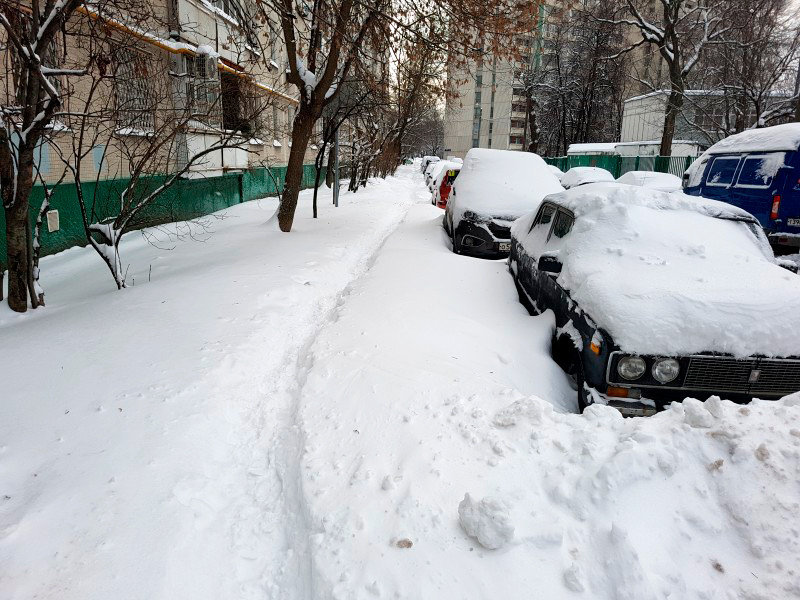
{"x": 429, "y": 387}
{"x": 144, "y": 434}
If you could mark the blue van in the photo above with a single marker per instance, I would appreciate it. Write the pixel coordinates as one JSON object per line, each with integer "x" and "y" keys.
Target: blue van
{"x": 757, "y": 170}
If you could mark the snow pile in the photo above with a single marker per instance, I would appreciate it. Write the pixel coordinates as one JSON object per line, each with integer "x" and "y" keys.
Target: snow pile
{"x": 501, "y": 183}
{"x": 486, "y": 520}
{"x": 582, "y": 175}
{"x": 662, "y": 277}
{"x": 778, "y": 138}
{"x": 663, "y": 182}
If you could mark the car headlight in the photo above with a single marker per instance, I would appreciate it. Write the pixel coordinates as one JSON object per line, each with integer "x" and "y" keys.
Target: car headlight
{"x": 470, "y": 216}
{"x": 631, "y": 367}
{"x": 665, "y": 370}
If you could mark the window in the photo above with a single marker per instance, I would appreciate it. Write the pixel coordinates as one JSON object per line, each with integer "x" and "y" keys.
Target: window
{"x": 544, "y": 217}
{"x": 134, "y": 91}
{"x": 758, "y": 171}
{"x": 517, "y": 123}
{"x": 563, "y": 224}
{"x": 538, "y": 233}
{"x": 722, "y": 170}
{"x": 477, "y": 97}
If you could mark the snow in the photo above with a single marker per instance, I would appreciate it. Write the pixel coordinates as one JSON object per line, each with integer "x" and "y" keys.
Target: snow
{"x": 664, "y": 182}
{"x": 486, "y": 520}
{"x": 770, "y": 165}
{"x": 662, "y": 277}
{"x": 308, "y": 77}
{"x": 779, "y": 138}
{"x": 593, "y": 148}
{"x": 270, "y": 415}
{"x": 141, "y": 452}
{"x": 501, "y": 183}
{"x": 582, "y": 175}
{"x": 556, "y": 171}
{"x": 206, "y": 50}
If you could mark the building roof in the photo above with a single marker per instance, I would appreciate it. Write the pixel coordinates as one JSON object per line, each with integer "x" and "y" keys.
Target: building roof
{"x": 594, "y": 147}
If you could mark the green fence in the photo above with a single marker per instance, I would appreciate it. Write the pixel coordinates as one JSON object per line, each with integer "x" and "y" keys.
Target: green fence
{"x": 186, "y": 199}
{"x": 619, "y": 165}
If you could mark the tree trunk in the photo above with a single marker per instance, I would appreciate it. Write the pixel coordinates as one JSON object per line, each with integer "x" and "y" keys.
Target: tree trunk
{"x": 317, "y": 172}
{"x": 674, "y": 105}
{"x": 302, "y": 128}
{"x": 19, "y": 261}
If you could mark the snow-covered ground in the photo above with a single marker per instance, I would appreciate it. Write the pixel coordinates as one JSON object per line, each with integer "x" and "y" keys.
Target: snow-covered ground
{"x": 303, "y": 416}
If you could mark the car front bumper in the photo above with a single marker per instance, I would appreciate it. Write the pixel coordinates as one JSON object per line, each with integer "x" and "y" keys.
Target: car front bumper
{"x": 476, "y": 240}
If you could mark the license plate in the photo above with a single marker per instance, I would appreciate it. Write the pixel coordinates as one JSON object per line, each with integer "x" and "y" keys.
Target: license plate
{"x": 504, "y": 246}
{"x": 793, "y": 222}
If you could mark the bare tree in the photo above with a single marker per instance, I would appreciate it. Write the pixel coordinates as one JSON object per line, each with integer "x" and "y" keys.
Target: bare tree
{"x": 324, "y": 42}
{"x": 30, "y": 101}
{"x": 681, "y": 31}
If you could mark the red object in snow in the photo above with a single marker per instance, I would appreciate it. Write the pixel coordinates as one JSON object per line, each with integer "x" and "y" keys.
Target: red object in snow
{"x": 445, "y": 187}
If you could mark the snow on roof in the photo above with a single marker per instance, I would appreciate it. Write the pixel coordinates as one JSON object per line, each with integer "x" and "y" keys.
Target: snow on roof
{"x": 658, "y": 143}
{"x": 661, "y": 277}
{"x": 593, "y": 147}
{"x": 779, "y": 138}
{"x": 502, "y": 183}
{"x": 582, "y": 175}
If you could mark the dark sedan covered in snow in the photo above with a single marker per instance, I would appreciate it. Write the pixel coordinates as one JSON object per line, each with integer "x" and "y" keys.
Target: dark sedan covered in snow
{"x": 494, "y": 187}
{"x": 658, "y": 297}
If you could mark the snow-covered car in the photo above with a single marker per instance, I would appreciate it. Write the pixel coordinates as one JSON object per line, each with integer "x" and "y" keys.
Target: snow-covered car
{"x": 757, "y": 170}
{"x": 556, "y": 171}
{"x": 432, "y": 167}
{"x": 663, "y": 182}
{"x": 494, "y": 188}
{"x": 582, "y": 175}
{"x": 443, "y": 184}
{"x": 426, "y": 161}
{"x": 436, "y": 171}
{"x": 658, "y": 297}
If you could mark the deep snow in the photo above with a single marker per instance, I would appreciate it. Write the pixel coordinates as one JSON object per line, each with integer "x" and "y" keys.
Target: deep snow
{"x": 301, "y": 416}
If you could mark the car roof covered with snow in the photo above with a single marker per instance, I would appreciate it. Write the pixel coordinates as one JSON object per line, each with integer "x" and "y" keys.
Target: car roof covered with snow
{"x": 671, "y": 274}
{"x": 582, "y": 175}
{"x": 779, "y": 138}
{"x": 502, "y": 183}
{"x": 666, "y": 182}
{"x": 445, "y": 165}
{"x": 556, "y": 171}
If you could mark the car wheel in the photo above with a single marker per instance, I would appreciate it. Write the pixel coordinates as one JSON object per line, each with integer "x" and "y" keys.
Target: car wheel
{"x": 565, "y": 353}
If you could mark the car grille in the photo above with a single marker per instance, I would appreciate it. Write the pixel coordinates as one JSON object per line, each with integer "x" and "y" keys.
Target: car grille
{"x": 754, "y": 375}
{"x": 498, "y": 231}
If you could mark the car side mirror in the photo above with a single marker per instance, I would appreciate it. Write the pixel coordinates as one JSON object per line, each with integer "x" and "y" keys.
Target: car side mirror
{"x": 549, "y": 264}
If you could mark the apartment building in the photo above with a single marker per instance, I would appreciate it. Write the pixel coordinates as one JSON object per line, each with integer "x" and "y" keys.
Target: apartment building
{"x": 487, "y": 106}
{"x": 183, "y": 57}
